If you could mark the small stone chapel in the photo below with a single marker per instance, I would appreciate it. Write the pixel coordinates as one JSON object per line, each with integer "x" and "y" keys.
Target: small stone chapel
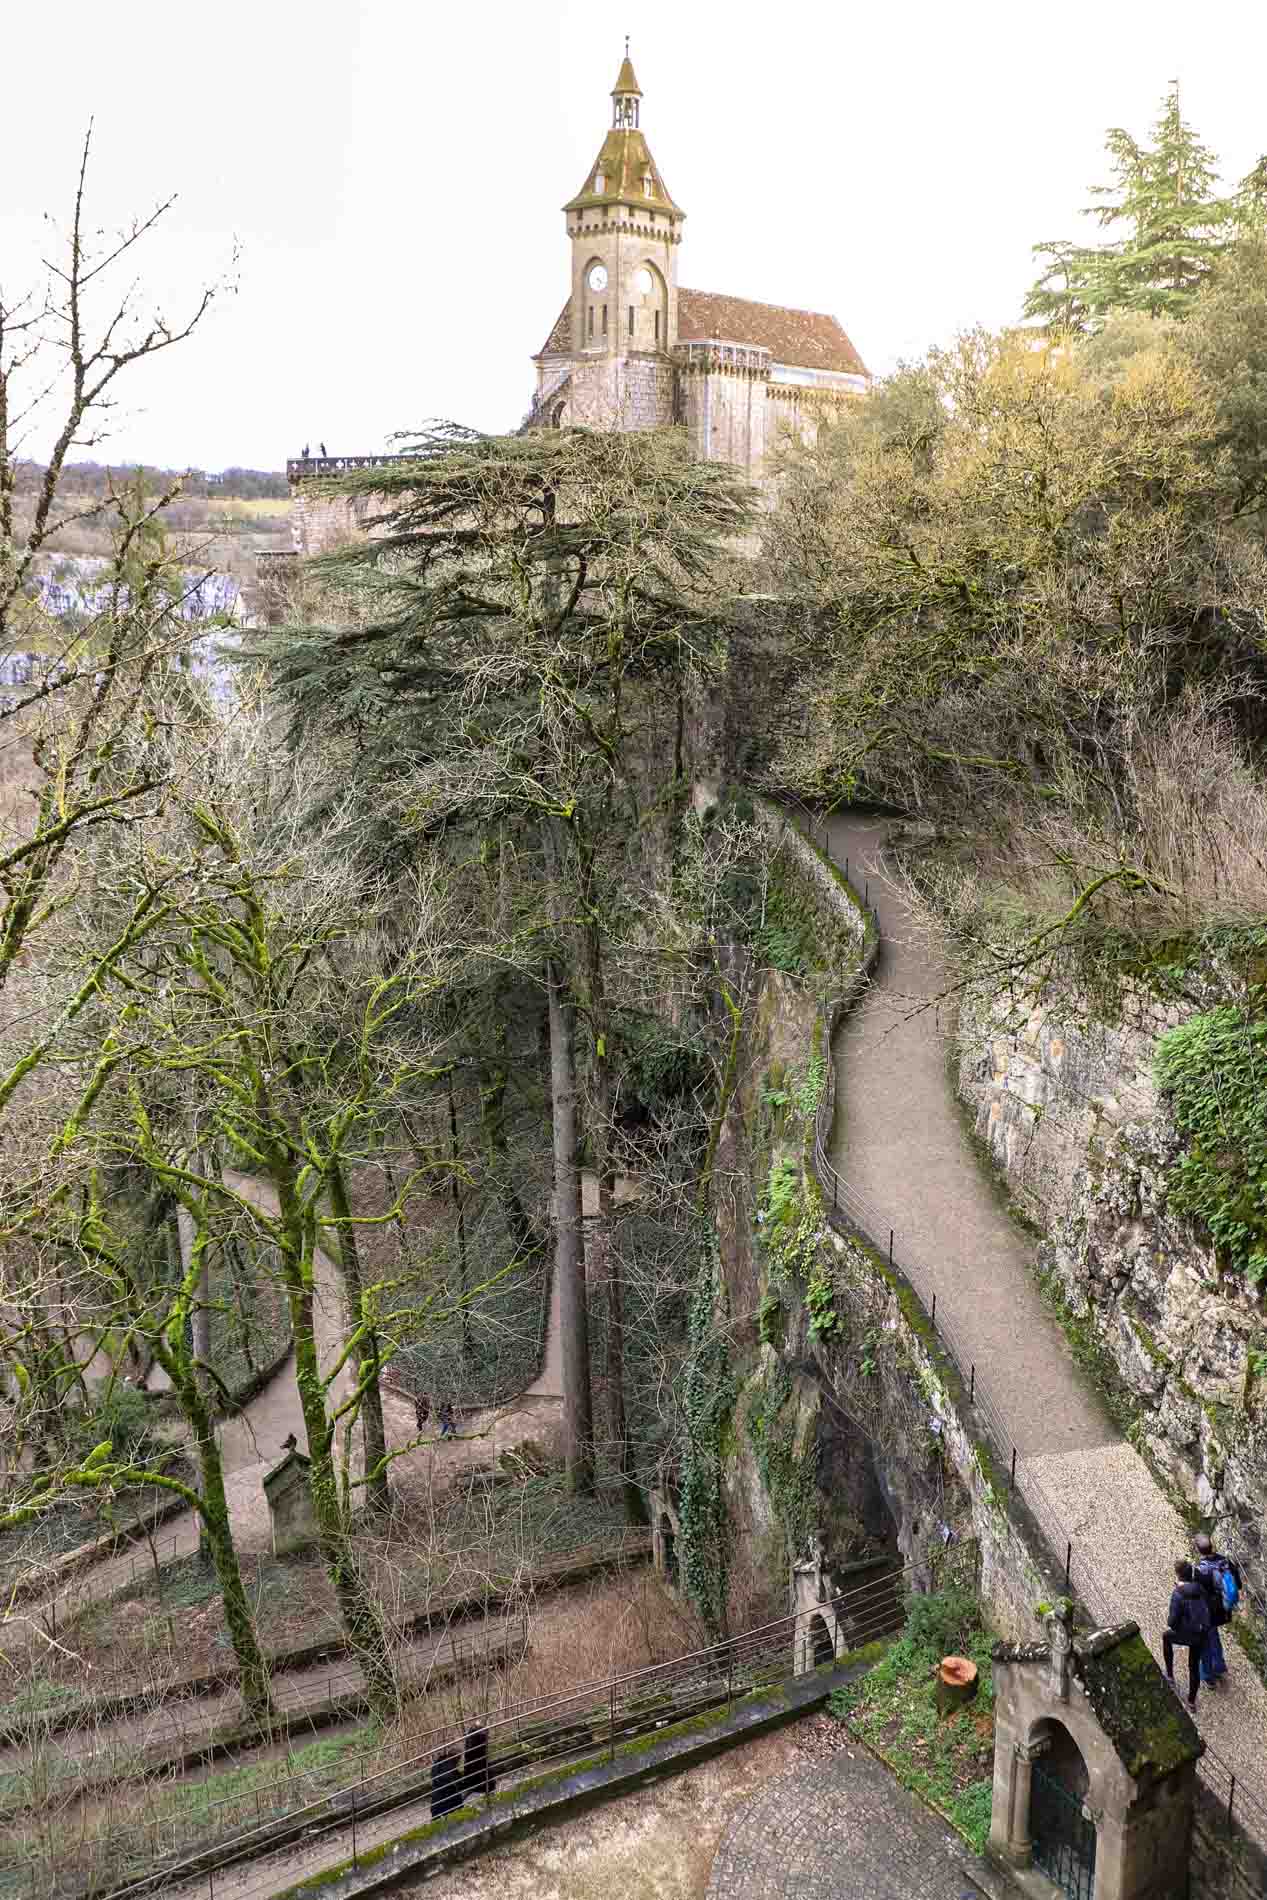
{"x": 1094, "y": 1767}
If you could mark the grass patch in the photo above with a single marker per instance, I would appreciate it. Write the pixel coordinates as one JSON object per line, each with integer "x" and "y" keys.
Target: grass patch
{"x": 947, "y": 1760}
{"x": 326, "y": 1762}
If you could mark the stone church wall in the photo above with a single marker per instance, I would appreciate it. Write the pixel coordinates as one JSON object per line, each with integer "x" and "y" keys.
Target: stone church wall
{"x": 631, "y": 392}
{"x": 725, "y": 415}
{"x": 1066, "y": 1103}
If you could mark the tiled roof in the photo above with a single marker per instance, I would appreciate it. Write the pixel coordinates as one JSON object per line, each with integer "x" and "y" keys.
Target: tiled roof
{"x": 559, "y": 341}
{"x": 623, "y": 164}
{"x": 803, "y": 339}
{"x": 806, "y": 339}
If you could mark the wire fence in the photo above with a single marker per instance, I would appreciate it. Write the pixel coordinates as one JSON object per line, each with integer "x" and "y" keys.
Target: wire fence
{"x": 854, "y": 1214}
{"x": 459, "y": 1760}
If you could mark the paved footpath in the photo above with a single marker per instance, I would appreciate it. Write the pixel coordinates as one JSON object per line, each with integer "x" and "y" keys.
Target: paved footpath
{"x": 842, "y": 1829}
{"x": 900, "y": 1142}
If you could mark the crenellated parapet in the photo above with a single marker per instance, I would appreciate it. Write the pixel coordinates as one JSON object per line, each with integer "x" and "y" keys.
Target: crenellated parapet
{"x": 306, "y": 468}
{"x": 713, "y": 357}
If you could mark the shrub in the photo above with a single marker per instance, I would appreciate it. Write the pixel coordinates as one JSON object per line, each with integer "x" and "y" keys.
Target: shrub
{"x": 941, "y": 1622}
{"x": 1214, "y": 1068}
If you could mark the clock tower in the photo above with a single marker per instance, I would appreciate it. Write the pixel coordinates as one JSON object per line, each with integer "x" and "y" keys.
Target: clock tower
{"x": 609, "y": 355}
{"x": 625, "y": 230}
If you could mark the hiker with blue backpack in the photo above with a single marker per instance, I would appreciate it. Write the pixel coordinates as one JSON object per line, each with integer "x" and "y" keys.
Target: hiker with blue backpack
{"x": 1221, "y": 1581}
{"x": 1187, "y": 1627}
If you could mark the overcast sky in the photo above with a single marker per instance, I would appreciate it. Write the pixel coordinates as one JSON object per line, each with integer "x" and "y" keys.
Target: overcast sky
{"x": 392, "y": 172}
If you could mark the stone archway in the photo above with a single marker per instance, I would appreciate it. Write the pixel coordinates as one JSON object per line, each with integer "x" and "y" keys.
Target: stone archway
{"x": 1094, "y": 1765}
{"x": 1060, "y": 1824}
{"x": 821, "y": 1646}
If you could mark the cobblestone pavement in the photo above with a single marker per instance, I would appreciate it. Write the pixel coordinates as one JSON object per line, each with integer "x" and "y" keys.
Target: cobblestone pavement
{"x": 842, "y": 1829}
{"x": 899, "y": 1141}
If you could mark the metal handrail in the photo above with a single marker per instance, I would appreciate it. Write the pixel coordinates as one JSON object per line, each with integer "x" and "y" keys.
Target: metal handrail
{"x": 708, "y": 1677}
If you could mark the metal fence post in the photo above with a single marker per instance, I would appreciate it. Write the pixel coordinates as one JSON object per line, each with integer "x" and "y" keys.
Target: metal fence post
{"x": 611, "y": 1723}
{"x": 934, "y": 1312}
{"x": 972, "y": 1384}
{"x": 1231, "y": 1795}
{"x": 1068, "y": 1564}
{"x": 890, "y": 1246}
{"x": 354, "y": 1829}
{"x": 730, "y": 1679}
{"x": 1011, "y": 1483}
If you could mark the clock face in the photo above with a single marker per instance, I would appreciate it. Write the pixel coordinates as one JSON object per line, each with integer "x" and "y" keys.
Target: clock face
{"x": 598, "y": 278}
{"x": 644, "y": 281}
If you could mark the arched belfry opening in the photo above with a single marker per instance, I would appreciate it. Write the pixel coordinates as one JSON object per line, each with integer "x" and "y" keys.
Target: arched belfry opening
{"x": 626, "y": 94}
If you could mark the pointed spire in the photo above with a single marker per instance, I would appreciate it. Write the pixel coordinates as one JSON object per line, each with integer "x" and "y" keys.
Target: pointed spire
{"x": 624, "y": 171}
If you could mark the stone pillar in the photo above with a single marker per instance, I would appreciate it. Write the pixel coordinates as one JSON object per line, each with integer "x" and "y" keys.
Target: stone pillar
{"x": 1010, "y": 1837}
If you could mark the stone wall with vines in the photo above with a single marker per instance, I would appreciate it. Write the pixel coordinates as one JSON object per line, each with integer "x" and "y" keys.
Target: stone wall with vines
{"x": 1130, "y": 1124}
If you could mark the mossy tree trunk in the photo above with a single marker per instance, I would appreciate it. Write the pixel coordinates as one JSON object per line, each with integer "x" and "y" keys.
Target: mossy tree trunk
{"x": 216, "y": 1537}
{"x": 569, "y": 1252}
{"x": 365, "y": 1350}
{"x": 600, "y": 1241}
{"x": 296, "y": 1237}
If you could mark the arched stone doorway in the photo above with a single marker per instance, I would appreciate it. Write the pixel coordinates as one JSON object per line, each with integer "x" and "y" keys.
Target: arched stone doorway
{"x": 1094, "y": 1766}
{"x": 1060, "y": 1823}
{"x": 822, "y": 1648}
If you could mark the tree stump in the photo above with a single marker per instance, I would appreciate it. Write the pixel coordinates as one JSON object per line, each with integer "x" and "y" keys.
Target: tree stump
{"x": 956, "y": 1683}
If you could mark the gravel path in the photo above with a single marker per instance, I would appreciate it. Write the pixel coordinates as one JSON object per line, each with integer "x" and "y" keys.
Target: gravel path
{"x": 899, "y": 1140}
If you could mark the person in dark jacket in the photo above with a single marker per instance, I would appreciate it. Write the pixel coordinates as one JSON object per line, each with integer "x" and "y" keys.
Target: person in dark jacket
{"x": 1211, "y": 1564}
{"x": 448, "y": 1425}
{"x": 1188, "y": 1626}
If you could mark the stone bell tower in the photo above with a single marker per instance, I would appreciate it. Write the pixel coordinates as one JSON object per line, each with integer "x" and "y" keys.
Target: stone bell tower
{"x": 607, "y": 363}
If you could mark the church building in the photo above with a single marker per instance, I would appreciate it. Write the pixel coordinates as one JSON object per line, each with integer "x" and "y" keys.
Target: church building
{"x": 633, "y": 349}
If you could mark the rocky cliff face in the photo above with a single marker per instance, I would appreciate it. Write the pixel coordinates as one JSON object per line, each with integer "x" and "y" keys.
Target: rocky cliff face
{"x": 1072, "y": 1116}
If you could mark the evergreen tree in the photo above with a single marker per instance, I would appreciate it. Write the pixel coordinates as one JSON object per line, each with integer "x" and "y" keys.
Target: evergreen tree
{"x": 527, "y": 623}
{"x": 1174, "y": 226}
{"x": 1251, "y": 198}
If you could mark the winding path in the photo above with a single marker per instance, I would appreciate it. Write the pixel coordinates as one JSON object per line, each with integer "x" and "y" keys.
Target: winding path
{"x": 899, "y": 1140}
{"x": 251, "y": 1442}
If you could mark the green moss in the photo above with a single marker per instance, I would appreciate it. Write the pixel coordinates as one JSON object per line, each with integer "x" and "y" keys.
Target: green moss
{"x": 1148, "y": 1725}
{"x": 1148, "y": 1341}
{"x": 1214, "y": 1070}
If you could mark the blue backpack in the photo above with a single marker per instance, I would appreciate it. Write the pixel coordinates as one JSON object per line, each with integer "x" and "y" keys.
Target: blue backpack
{"x": 1231, "y": 1588}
